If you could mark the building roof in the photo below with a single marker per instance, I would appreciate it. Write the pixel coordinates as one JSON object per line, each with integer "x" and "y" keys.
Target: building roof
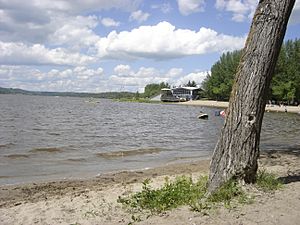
{"x": 187, "y": 88}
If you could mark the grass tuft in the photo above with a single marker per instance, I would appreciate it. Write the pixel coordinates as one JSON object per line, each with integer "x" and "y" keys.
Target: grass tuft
{"x": 267, "y": 181}
{"x": 173, "y": 194}
{"x": 184, "y": 191}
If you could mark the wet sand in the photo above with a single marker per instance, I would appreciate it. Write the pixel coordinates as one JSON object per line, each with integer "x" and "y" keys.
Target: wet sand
{"x": 94, "y": 201}
{"x": 220, "y": 104}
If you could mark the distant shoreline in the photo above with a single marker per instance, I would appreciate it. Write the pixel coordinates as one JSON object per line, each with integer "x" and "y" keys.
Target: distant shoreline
{"x": 220, "y": 104}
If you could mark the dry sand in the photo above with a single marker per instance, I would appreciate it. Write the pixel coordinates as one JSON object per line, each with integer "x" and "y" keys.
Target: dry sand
{"x": 94, "y": 201}
{"x": 219, "y": 104}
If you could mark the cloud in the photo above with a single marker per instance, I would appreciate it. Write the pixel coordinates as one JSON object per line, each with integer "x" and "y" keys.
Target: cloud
{"x": 84, "y": 79}
{"x": 81, "y": 79}
{"x": 295, "y": 16}
{"x": 164, "y": 41}
{"x": 74, "y": 32}
{"x": 187, "y": 7}
{"x": 165, "y": 7}
{"x": 174, "y": 73}
{"x": 198, "y": 77}
{"x": 139, "y": 16}
{"x": 21, "y": 54}
{"x": 123, "y": 70}
{"x": 136, "y": 79}
{"x": 126, "y": 77}
{"x": 109, "y": 22}
{"x": 35, "y": 21}
{"x": 241, "y": 9}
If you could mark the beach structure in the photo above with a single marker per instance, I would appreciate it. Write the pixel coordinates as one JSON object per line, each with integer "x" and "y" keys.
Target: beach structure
{"x": 178, "y": 94}
{"x": 189, "y": 93}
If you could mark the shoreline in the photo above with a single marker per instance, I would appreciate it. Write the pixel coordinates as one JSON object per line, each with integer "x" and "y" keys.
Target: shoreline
{"x": 94, "y": 201}
{"x": 221, "y": 104}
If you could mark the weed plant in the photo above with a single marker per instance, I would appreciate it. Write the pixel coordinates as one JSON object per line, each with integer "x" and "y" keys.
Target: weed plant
{"x": 267, "y": 181}
{"x": 183, "y": 191}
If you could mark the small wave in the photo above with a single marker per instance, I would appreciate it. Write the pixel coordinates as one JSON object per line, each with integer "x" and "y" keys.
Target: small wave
{"x": 48, "y": 150}
{"x": 16, "y": 156}
{"x": 117, "y": 154}
{"x": 53, "y": 134}
{"x": 92, "y": 136}
{"x": 38, "y": 129}
{"x": 4, "y": 177}
{"x": 6, "y": 145}
{"x": 76, "y": 160}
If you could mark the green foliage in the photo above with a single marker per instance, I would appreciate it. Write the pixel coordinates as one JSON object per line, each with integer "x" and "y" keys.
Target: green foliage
{"x": 191, "y": 84}
{"x": 226, "y": 194}
{"x": 152, "y": 90}
{"x": 185, "y": 191}
{"x": 182, "y": 191}
{"x": 267, "y": 181}
{"x": 285, "y": 85}
{"x": 218, "y": 85}
{"x": 286, "y": 81}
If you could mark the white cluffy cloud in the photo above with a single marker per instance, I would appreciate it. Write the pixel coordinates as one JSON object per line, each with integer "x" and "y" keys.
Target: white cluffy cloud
{"x": 241, "y": 9}
{"x": 76, "y": 79}
{"x": 164, "y": 41}
{"x": 74, "y": 32}
{"x": 139, "y": 16}
{"x": 21, "y": 54}
{"x": 125, "y": 76}
{"x": 35, "y": 21}
{"x": 198, "y": 77}
{"x": 187, "y": 7}
{"x": 109, "y": 22}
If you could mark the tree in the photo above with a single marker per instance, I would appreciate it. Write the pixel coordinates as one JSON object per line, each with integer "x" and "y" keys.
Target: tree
{"x": 152, "y": 90}
{"x": 218, "y": 85}
{"x": 285, "y": 85}
{"x": 236, "y": 153}
{"x": 191, "y": 84}
{"x": 137, "y": 95}
{"x": 286, "y": 81}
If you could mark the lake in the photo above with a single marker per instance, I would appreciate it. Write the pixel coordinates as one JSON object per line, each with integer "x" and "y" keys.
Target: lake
{"x": 48, "y": 138}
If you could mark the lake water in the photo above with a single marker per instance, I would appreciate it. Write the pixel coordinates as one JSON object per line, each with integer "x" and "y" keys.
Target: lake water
{"x": 48, "y": 138}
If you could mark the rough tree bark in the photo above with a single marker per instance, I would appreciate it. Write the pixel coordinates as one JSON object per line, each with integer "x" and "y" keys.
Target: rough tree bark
{"x": 237, "y": 150}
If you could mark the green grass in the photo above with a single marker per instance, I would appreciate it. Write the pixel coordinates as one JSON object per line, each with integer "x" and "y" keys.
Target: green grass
{"x": 267, "y": 181}
{"x": 184, "y": 191}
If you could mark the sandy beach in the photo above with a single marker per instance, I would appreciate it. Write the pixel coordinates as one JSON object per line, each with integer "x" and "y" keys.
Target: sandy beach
{"x": 94, "y": 201}
{"x": 220, "y": 104}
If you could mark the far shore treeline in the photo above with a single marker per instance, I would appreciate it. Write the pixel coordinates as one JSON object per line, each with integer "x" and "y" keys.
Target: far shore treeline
{"x": 285, "y": 85}
{"x": 108, "y": 95}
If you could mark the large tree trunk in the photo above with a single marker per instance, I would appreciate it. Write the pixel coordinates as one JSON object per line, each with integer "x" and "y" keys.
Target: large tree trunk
{"x": 237, "y": 150}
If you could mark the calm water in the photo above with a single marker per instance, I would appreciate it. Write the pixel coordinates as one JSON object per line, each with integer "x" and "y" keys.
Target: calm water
{"x": 46, "y": 138}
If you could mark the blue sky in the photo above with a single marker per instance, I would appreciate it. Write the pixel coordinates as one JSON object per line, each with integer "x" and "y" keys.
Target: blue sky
{"x": 119, "y": 45}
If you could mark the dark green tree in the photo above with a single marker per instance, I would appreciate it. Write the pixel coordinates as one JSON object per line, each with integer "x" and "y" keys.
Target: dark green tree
{"x": 191, "y": 84}
{"x": 218, "y": 84}
{"x": 285, "y": 85}
{"x": 152, "y": 90}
